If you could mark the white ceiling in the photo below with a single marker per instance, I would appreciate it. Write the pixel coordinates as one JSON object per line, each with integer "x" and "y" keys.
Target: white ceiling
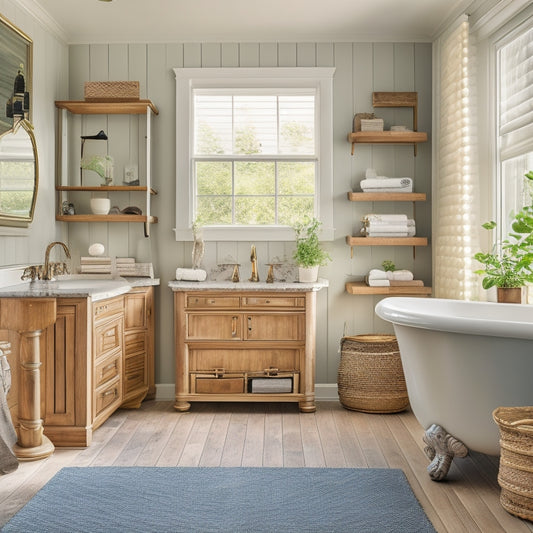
{"x": 94, "y": 21}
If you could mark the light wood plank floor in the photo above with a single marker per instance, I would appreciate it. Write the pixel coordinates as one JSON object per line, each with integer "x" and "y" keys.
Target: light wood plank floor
{"x": 278, "y": 435}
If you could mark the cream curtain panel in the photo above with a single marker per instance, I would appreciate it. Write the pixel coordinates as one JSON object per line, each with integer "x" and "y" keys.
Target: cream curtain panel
{"x": 455, "y": 199}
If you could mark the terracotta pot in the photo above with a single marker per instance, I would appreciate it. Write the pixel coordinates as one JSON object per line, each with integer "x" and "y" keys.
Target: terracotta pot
{"x": 515, "y": 295}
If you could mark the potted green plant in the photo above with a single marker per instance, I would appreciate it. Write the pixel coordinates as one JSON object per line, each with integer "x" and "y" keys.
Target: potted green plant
{"x": 309, "y": 255}
{"x": 510, "y": 265}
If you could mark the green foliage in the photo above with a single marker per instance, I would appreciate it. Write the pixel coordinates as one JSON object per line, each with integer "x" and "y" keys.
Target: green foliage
{"x": 511, "y": 265}
{"x": 308, "y": 251}
{"x": 388, "y": 266}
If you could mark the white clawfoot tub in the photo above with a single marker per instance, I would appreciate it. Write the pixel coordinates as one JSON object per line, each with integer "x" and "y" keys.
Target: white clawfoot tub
{"x": 461, "y": 360}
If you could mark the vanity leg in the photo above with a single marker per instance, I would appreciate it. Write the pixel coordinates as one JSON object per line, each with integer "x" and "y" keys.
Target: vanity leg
{"x": 307, "y": 406}
{"x": 182, "y": 406}
{"x": 32, "y": 444}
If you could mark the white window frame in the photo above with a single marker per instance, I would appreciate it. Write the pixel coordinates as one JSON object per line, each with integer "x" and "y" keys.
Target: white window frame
{"x": 187, "y": 79}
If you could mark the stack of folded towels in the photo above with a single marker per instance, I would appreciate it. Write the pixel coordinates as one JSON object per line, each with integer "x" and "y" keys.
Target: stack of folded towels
{"x": 375, "y": 183}
{"x": 388, "y": 226}
{"x": 394, "y": 278}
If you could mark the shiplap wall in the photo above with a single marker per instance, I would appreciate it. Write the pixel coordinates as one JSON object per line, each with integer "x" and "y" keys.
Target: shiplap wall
{"x": 50, "y": 82}
{"x": 360, "y": 69}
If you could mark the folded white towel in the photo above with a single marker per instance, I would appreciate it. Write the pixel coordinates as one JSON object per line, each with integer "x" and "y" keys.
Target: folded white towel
{"x": 390, "y": 183}
{"x": 190, "y": 274}
{"x": 374, "y": 223}
{"x": 377, "y": 282}
{"x": 386, "y": 189}
{"x": 386, "y": 217}
{"x": 376, "y": 274}
{"x": 384, "y": 228}
{"x": 387, "y": 234}
{"x": 400, "y": 275}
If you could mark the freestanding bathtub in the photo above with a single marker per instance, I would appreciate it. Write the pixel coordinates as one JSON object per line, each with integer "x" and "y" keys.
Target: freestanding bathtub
{"x": 461, "y": 360}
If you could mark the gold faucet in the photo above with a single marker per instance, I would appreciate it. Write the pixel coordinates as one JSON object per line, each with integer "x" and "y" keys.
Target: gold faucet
{"x": 253, "y": 259}
{"x": 47, "y": 274}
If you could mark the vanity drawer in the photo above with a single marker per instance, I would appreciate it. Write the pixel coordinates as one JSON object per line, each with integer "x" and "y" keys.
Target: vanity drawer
{"x": 107, "y": 369}
{"x": 209, "y": 302}
{"x": 274, "y": 301}
{"x": 206, "y": 326}
{"x": 108, "y": 396}
{"x": 107, "y": 308}
{"x": 108, "y": 337}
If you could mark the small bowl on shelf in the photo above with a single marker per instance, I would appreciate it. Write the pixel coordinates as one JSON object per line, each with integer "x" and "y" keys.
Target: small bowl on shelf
{"x": 100, "y": 206}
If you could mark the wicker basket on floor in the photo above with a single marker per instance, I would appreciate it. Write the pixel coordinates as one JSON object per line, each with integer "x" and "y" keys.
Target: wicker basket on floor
{"x": 515, "y": 475}
{"x": 370, "y": 376}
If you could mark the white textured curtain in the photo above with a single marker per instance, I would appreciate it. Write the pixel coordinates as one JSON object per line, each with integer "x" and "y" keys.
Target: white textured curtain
{"x": 455, "y": 199}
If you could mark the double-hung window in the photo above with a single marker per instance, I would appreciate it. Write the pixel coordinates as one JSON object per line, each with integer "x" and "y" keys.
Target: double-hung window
{"x": 254, "y": 151}
{"x": 514, "y": 58}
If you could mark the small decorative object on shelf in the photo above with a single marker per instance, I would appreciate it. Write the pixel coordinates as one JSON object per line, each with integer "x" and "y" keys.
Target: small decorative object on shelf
{"x": 101, "y": 164}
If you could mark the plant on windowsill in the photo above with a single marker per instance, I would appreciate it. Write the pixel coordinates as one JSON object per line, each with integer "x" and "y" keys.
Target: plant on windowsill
{"x": 309, "y": 255}
{"x": 510, "y": 265}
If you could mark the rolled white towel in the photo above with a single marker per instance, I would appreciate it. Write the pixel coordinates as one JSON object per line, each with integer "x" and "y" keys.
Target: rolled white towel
{"x": 385, "y": 228}
{"x": 376, "y": 274}
{"x": 190, "y": 274}
{"x": 400, "y": 275}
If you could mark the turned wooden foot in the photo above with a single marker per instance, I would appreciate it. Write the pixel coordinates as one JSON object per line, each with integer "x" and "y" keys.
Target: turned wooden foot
{"x": 182, "y": 406}
{"x": 441, "y": 449}
{"x": 307, "y": 406}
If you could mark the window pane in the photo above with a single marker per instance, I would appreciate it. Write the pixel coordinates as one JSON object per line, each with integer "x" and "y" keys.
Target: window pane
{"x": 296, "y": 178}
{"x": 212, "y": 124}
{"x": 255, "y": 210}
{"x": 297, "y": 124}
{"x": 292, "y": 209}
{"x": 213, "y": 210}
{"x": 213, "y": 177}
{"x": 255, "y": 178}
{"x": 255, "y": 124}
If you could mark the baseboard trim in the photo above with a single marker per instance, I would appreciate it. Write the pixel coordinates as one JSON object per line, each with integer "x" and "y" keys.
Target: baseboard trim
{"x": 324, "y": 392}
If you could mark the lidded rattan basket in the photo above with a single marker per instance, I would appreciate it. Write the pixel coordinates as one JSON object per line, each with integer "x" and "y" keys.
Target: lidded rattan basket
{"x": 515, "y": 475}
{"x": 370, "y": 375}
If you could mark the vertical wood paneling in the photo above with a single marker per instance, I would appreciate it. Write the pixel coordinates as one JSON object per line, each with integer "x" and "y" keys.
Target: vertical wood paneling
{"x": 360, "y": 69}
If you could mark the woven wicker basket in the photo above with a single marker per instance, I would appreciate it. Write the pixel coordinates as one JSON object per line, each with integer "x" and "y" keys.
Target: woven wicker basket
{"x": 515, "y": 475}
{"x": 111, "y": 91}
{"x": 370, "y": 376}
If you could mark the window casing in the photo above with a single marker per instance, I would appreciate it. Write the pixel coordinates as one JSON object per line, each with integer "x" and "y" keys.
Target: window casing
{"x": 244, "y": 175}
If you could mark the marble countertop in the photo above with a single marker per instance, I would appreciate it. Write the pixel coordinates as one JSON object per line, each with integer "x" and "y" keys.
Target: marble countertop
{"x": 75, "y": 286}
{"x": 277, "y": 286}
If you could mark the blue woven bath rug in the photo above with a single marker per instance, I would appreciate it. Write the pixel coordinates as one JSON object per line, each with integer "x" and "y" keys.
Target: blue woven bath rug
{"x": 229, "y": 500}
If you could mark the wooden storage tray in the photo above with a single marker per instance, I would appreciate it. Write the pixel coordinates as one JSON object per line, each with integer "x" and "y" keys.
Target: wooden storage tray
{"x": 111, "y": 91}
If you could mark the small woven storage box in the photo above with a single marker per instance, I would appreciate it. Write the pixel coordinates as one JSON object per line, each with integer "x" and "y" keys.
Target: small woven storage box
{"x": 111, "y": 91}
{"x": 370, "y": 376}
{"x": 515, "y": 475}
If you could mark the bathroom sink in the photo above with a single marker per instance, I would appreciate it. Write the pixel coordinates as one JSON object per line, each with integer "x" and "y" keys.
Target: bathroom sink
{"x": 77, "y": 283}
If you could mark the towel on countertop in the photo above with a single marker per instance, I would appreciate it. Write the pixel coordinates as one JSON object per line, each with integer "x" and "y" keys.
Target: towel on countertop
{"x": 190, "y": 274}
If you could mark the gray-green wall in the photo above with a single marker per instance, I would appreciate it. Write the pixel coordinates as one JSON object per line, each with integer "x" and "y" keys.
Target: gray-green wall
{"x": 360, "y": 69}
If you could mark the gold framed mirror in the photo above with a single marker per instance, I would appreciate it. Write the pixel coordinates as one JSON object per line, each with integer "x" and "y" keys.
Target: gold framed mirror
{"x": 19, "y": 170}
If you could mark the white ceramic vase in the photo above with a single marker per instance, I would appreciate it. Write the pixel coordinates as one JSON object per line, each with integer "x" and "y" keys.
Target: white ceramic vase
{"x": 100, "y": 206}
{"x": 308, "y": 274}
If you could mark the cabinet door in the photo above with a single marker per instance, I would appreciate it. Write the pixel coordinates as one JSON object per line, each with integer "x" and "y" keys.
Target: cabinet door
{"x": 208, "y": 326}
{"x": 267, "y": 327}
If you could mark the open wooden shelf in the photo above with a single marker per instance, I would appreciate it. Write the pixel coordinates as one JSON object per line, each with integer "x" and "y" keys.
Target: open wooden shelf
{"x": 106, "y": 188}
{"x": 387, "y": 196}
{"x": 106, "y": 218}
{"x": 386, "y": 241}
{"x": 360, "y": 287}
{"x": 80, "y": 107}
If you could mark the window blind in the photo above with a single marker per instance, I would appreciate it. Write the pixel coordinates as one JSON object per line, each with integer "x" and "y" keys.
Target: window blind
{"x": 456, "y": 220}
{"x": 516, "y": 96}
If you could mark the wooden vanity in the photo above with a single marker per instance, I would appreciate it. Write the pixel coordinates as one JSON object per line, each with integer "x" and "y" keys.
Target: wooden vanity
{"x": 245, "y": 342}
{"x": 97, "y": 356}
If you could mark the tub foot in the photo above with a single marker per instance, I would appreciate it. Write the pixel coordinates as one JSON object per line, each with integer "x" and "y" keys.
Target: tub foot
{"x": 441, "y": 449}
